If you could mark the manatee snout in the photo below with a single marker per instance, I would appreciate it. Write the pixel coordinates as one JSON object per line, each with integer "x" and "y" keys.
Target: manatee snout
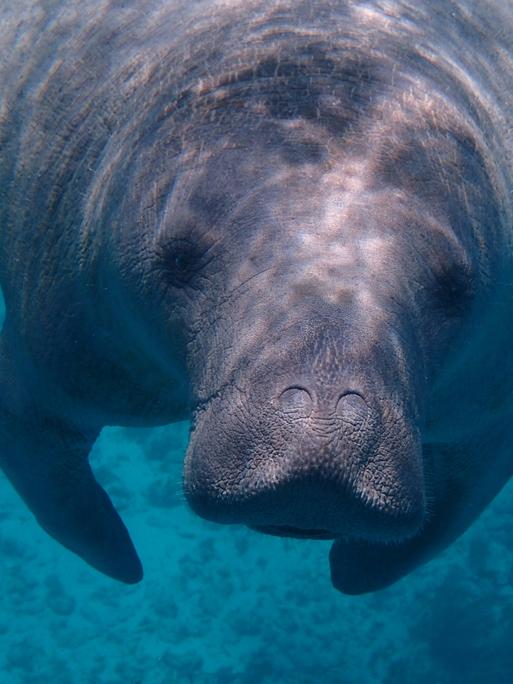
{"x": 313, "y": 450}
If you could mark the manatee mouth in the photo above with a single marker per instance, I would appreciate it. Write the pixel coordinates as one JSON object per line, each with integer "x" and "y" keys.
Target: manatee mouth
{"x": 297, "y": 532}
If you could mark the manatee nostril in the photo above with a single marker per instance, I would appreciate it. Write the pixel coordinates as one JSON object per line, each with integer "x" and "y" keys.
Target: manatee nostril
{"x": 296, "y": 400}
{"x": 353, "y": 404}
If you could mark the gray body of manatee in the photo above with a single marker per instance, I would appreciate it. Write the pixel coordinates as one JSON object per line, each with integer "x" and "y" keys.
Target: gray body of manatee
{"x": 289, "y": 221}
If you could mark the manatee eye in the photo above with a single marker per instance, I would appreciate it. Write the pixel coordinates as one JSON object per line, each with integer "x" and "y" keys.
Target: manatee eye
{"x": 454, "y": 290}
{"x": 181, "y": 260}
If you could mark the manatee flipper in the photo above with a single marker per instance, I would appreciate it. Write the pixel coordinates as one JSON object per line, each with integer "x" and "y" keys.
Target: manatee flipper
{"x": 46, "y": 460}
{"x": 358, "y": 566}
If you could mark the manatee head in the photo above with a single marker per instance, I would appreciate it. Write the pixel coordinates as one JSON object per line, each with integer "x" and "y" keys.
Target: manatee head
{"x": 310, "y": 370}
{"x": 319, "y": 244}
{"x": 330, "y": 298}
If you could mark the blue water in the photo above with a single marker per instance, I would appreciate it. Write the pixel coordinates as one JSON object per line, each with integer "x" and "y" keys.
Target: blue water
{"x": 226, "y": 605}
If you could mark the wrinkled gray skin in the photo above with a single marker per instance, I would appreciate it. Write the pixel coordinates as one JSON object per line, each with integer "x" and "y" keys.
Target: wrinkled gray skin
{"x": 287, "y": 220}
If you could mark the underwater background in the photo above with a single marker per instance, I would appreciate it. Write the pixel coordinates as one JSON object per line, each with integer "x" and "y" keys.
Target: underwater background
{"x": 224, "y": 604}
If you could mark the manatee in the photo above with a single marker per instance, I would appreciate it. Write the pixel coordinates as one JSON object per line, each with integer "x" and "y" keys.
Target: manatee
{"x": 289, "y": 221}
